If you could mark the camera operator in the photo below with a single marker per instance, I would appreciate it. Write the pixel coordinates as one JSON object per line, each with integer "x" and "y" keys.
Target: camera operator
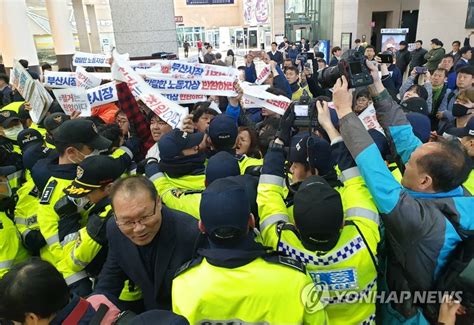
{"x": 409, "y": 89}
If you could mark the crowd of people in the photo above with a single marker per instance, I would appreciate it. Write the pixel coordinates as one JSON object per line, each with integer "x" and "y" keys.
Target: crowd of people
{"x": 245, "y": 216}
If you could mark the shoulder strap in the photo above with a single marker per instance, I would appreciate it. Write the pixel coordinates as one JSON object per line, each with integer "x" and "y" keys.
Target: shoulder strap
{"x": 99, "y": 315}
{"x": 77, "y": 313}
{"x": 372, "y": 256}
{"x": 189, "y": 264}
{"x": 284, "y": 260}
{"x": 450, "y": 96}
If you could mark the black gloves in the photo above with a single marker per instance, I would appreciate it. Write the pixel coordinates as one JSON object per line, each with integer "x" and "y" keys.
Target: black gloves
{"x": 286, "y": 124}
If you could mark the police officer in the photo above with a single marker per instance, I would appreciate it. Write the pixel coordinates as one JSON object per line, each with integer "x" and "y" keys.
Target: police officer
{"x": 11, "y": 249}
{"x": 75, "y": 140}
{"x": 220, "y": 165}
{"x": 92, "y": 185}
{"x": 33, "y": 148}
{"x": 51, "y": 123}
{"x": 223, "y": 133}
{"x": 235, "y": 279}
{"x": 335, "y": 233}
{"x": 10, "y": 127}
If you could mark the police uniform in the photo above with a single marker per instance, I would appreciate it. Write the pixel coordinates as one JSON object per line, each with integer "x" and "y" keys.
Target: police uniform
{"x": 51, "y": 123}
{"x": 239, "y": 281}
{"x": 11, "y": 249}
{"x": 61, "y": 221}
{"x": 348, "y": 270}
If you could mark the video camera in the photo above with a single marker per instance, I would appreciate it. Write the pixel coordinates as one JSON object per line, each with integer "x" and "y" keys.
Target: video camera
{"x": 352, "y": 66}
{"x": 306, "y": 111}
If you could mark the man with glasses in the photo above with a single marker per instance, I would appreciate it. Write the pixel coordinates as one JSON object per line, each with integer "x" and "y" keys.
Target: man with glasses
{"x": 148, "y": 242}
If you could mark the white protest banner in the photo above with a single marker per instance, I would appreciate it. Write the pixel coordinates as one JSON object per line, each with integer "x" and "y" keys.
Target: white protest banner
{"x": 104, "y": 94}
{"x": 85, "y": 80}
{"x": 32, "y": 91}
{"x": 369, "y": 119}
{"x": 90, "y": 60}
{"x": 256, "y": 95}
{"x": 193, "y": 59}
{"x": 264, "y": 74}
{"x": 169, "y": 84}
{"x": 73, "y": 100}
{"x": 55, "y": 79}
{"x": 193, "y": 69}
{"x": 186, "y": 98}
{"x": 143, "y": 64}
{"x": 170, "y": 112}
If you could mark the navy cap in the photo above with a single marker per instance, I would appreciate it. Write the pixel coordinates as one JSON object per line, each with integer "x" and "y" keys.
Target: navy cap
{"x": 159, "y": 317}
{"x": 223, "y": 164}
{"x": 318, "y": 214}
{"x": 28, "y": 137}
{"x": 7, "y": 170}
{"x": 225, "y": 211}
{"x": 415, "y": 104}
{"x": 23, "y": 113}
{"x": 314, "y": 151}
{"x": 92, "y": 173}
{"x": 421, "y": 125}
{"x": 53, "y": 121}
{"x": 174, "y": 142}
{"x": 81, "y": 131}
{"x": 381, "y": 142}
{"x": 467, "y": 131}
{"x": 35, "y": 152}
{"x": 7, "y": 116}
{"x": 223, "y": 131}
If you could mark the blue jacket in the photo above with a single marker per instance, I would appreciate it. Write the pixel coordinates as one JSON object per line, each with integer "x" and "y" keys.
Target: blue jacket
{"x": 418, "y": 226}
{"x": 250, "y": 73}
{"x": 174, "y": 247}
{"x": 64, "y": 313}
{"x": 282, "y": 83}
{"x": 396, "y": 76}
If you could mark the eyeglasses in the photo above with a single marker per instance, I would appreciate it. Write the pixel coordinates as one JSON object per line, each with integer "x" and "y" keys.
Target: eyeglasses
{"x": 130, "y": 225}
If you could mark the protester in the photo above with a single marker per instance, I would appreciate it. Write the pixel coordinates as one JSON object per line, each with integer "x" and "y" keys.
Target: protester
{"x": 247, "y": 143}
{"x": 298, "y": 88}
{"x": 433, "y": 174}
{"x": 250, "y": 71}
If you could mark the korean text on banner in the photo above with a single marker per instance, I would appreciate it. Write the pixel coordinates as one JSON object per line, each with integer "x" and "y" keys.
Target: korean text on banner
{"x": 186, "y": 98}
{"x": 90, "y": 60}
{"x": 193, "y": 69}
{"x": 169, "y": 84}
{"x": 264, "y": 74}
{"x": 170, "y": 112}
{"x": 107, "y": 93}
{"x": 86, "y": 80}
{"x": 257, "y": 96}
{"x": 55, "y": 79}
{"x": 73, "y": 99}
{"x": 32, "y": 91}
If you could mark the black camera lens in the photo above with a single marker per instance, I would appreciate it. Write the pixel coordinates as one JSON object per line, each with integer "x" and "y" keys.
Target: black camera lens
{"x": 328, "y": 76}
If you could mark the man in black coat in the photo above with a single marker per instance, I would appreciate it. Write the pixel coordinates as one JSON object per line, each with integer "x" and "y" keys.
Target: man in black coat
{"x": 418, "y": 55}
{"x": 403, "y": 57}
{"x": 148, "y": 243}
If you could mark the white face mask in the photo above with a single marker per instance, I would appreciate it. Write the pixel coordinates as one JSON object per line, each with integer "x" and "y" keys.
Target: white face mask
{"x": 81, "y": 203}
{"x": 93, "y": 153}
{"x": 12, "y": 133}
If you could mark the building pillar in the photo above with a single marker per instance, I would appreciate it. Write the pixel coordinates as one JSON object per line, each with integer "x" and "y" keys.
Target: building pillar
{"x": 148, "y": 34}
{"x": 94, "y": 35}
{"x": 81, "y": 26}
{"x": 63, "y": 38}
{"x": 17, "y": 39}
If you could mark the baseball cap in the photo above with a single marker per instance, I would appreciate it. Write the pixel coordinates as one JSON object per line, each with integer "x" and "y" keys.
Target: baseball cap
{"x": 421, "y": 125}
{"x": 223, "y": 131}
{"x": 29, "y": 137}
{"x": 466, "y": 131}
{"x": 173, "y": 143}
{"x": 415, "y": 104}
{"x": 92, "y": 173}
{"x": 315, "y": 151}
{"x": 222, "y": 164}
{"x": 225, "y": 211}
{"x": 318, "y": 214}
{"x": 7, "y": 116}
{"x": 81, "y": 131}
{"x": 51, "y": 122}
